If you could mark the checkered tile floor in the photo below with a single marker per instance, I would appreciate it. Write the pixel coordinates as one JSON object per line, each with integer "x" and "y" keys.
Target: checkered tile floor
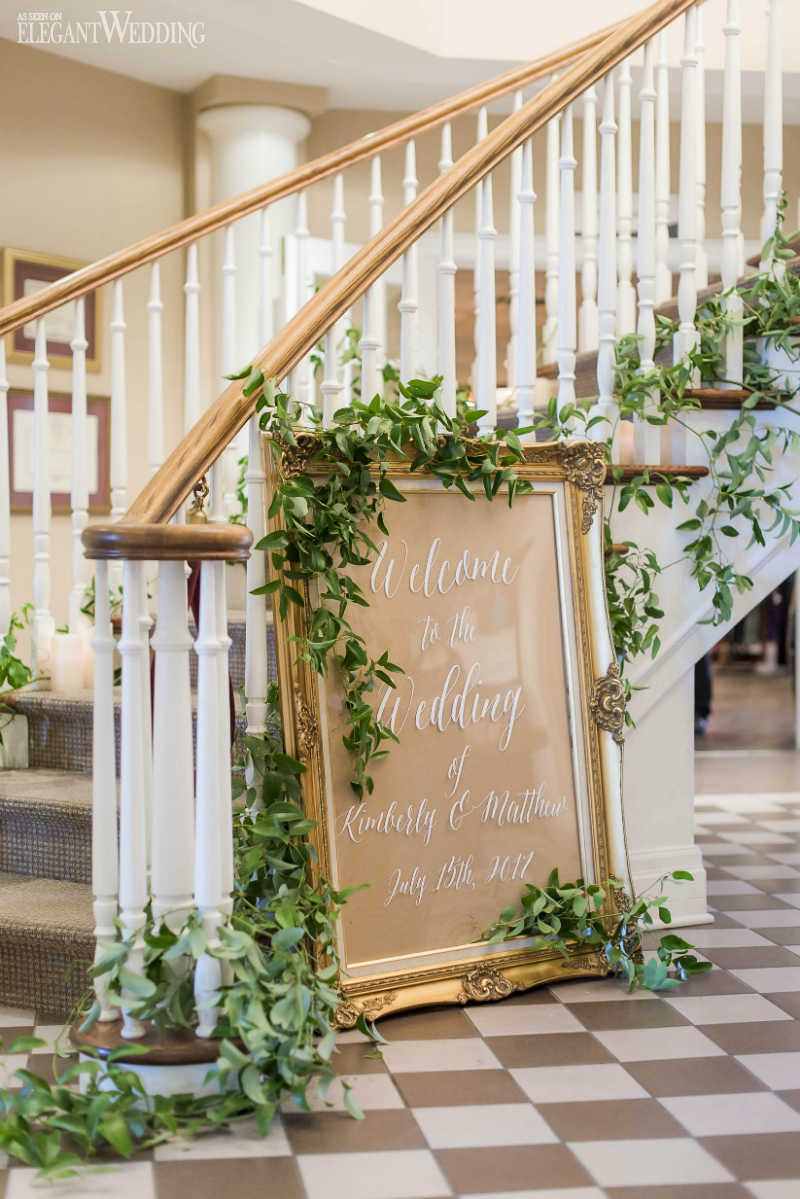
{"x": 576, "y": 1091}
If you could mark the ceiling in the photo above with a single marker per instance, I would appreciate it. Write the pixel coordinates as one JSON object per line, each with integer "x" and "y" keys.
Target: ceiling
{"x": 382, "y": 55}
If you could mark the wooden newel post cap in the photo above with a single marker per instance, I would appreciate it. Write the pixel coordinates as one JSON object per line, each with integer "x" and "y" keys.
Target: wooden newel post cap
{"x": 162, "y": 543}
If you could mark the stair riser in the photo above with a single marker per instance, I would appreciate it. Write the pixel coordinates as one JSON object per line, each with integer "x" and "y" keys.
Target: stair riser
{"x": 46, "y": 842}
{"x": 44, "y": 972}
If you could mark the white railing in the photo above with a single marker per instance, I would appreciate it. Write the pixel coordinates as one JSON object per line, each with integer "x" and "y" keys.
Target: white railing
{"x": 602, "y": 236}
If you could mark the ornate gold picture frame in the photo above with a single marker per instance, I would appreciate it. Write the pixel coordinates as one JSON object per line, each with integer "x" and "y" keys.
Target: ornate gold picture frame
{"x": 509, "y": 716}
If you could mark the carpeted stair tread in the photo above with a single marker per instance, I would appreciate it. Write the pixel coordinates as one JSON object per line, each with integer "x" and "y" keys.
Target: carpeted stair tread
{"x": 43, "y": 906}
{"x": 46, "y": 824}
{"x": 57, "y": 789}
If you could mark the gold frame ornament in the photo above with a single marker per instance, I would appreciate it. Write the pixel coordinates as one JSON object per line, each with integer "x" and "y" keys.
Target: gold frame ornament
{"x": 571, "y": 475}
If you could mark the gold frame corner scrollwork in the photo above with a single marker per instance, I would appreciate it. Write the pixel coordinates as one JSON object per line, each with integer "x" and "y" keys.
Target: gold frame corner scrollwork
{"x": 607, "y": 703}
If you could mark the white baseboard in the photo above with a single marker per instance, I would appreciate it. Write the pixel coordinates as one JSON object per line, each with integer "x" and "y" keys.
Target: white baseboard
{"x": 687, "y": 901}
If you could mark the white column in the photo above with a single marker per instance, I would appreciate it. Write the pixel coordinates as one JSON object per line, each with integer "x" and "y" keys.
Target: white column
{"x": 191, "y": 342}
{"x": 409, "y": 298}
{"x": 551, "y": 242}
{"x": 607, "y": 273}
{"x": 5, "y": 498}
{"x": 525, "y": 371}
{"x": 513, "y": 257}
{"x": 647, "y": 437}
{"x": 43, "y": 623}
{"x": 446, "y": 298}
{"x": 172, "y": 791}
{"x": 486, "y": 380}
{"x": 731, "y": 189}
{"x": 663, "y": 273}
{"x": 700, "y": 114}
{"x": 566, "y": 335}
{"x": 105, "y": 863}
{"x": 686, "y": 337}
{"x": 155, "y": 375}
{"x": 133, "y": 783}
{"x": 773, "y": 121}
{"x": 587, "y": 331}
{"x": 626, "y": 299}
{"x": 208, "y": 866}
{"x": 80, "y": 481}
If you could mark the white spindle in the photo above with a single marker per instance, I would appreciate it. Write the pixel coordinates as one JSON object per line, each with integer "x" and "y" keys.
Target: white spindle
{"x": 5, "y": 498}
{"x": 255, "y": 669}
{"x": 409, "y": 298}
{"x": 607, "y": 276}
{"x": 626, "y": 300}
{"x": 119, "y": 413}
{"x": 447, "y": 290}
{"x": 265, "y": 297}
{"x": 191, "y": 342}
{"x": 208, "y": 868}
{"x": 566, "y": 335}
{"x": 155, "y": 375}
{"x": 686, "y": 337}
{"x": 663, "y": 273}
{"x": 700, "y": 181}
{"x": 525, "y": 370}
{"x": 368, "y": 345}
{"x": 80, "y": 480}
{"x": 587, "y": 334}
{"x": 105, "y": 853}
{"x": 513, "y": 257}
{"x": 486, "y": 381}
{"x": 302, "y": 376}
{"x": 133, "y": 783}
{"x": 773, "y": 121}
{"x": 647, "y": 437}
{"x": 338, "y": 221}
{"x": 225, "y": 469}
{"x": 43, "y": 624}
{"x": 332, "y": 386}
{"x": 223, "y": 735}
{"x": 378, "y": 289}
{"x": 480, "y": 133}
{"x": 551, "y": 242}
{"x": 731, "y": 190}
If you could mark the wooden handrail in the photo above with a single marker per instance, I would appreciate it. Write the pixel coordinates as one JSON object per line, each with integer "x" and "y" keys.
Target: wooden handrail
{"x": 168, "y": 543}
{"x": 105, "y": 270}
{"x": 171, "y": 484}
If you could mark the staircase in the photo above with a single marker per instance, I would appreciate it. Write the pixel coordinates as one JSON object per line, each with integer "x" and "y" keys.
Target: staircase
{"x": 95, "y": 782}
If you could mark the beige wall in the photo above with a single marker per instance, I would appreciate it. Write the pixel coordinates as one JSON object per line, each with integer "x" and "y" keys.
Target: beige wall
{"x": 92, "y": 162}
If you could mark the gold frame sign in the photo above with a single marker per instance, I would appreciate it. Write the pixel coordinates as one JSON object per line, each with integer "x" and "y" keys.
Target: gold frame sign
{"x": 509, "y": 717}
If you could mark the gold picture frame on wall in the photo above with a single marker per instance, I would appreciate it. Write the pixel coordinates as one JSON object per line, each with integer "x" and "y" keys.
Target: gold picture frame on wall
{"x": 509, "y": 716}
{"x": 25, "y": 273}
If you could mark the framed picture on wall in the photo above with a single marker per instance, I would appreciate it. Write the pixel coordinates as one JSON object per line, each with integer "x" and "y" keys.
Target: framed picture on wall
{"x": 21, "y": 451}
{"x": 25, "y": 273}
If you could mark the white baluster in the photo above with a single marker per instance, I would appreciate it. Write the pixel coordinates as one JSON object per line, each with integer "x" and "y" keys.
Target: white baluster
{"x": 409, "y": 298}
{"x": 80, "y": 479}
{"x": 378, "y": 289}
{"x": 172, "y": 791}
{"x": 525, "y": 372}
{"x": 486, "y": 382}
{"x": 5, "y": 499}
{"x": 255, "y": 669}
{"x": 43, "y": 623}
{"x": 587, "y": 335}
{"x": 700, "y": 181}
{"x": 105, "y": 853}
{"x": 626, "y": 300}
{"x": 224, "y": 736}
{"x": 663, "y": 273}
{"x": 265, "y": 297}
{"x": 731, "y": 190}
{"x": 208, "y": 868}
{"x": 302, "y": 378}
{"x": 513, "y": 257}
{"x": 368, "y": 345}
{"x": 686, "y": 337}
{"x": 332, "y": 386}
{"x": 647, "y": 437}
{"x": 447, "y": 290}
{"x": 191, "y": 342}
{"x": 338, "y": 221}
{"x": 119, "y": 415}
{"x": 551, "y": 242}
{"x": 225, "y": 469}
{"x": 155, "y": 375}
{"x": 607, "y": 278}
{"x": 566, "y": 335}
{"x": 773, "y": 122}
{"x": 133, "y": 784}
{"x": 480, "y": 133}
